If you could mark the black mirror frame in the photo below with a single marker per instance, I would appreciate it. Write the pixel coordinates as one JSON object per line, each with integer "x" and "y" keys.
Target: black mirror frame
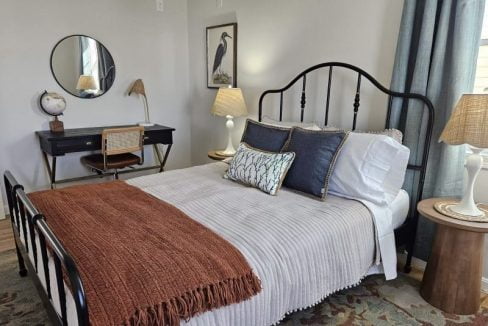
{"x": 56, "y": 79}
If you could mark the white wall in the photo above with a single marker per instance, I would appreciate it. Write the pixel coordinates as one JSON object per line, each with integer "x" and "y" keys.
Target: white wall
{"x": 277, "y": 39}
{"x": 144, "y": 44}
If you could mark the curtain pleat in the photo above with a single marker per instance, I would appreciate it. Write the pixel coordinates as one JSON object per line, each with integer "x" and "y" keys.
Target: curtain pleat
{"x": 436, "y": 56}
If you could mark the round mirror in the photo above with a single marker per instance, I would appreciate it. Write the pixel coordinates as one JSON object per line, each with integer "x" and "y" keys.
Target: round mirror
{"x": 82, "y": 66}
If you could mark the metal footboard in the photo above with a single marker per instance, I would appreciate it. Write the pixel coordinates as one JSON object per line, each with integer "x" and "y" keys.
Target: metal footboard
{"x": 35, "y": 240}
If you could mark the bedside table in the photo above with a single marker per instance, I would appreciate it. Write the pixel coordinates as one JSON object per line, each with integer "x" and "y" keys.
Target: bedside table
{"x": 214, "y": 156}
{"x": 452, "y": 278}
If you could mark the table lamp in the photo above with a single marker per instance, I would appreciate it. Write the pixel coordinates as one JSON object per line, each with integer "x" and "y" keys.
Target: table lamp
{"x": 86, "y": 83}
{"x": 138, "y": 88}
{"x": 467, "y": 125}
{"x": 229, "y": 103}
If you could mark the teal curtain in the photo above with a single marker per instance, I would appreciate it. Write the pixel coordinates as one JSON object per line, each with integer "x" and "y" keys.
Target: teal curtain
{"x": 436, "y": 56}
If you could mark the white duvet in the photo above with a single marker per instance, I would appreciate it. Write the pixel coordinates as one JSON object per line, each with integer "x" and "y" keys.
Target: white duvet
{"x": 302, "y": 249}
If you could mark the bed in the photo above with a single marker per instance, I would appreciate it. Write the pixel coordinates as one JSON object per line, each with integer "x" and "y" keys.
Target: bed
{"x": 301, "y": 249}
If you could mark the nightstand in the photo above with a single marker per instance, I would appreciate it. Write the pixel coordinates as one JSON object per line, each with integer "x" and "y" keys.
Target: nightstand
{"x": 214, "y": 156}
{"x": 452, "y": 278}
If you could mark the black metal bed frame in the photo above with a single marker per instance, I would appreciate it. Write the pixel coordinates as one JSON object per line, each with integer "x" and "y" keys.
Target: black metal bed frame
{"x": 405, "y": 234}
{"x": 30, "y": 225}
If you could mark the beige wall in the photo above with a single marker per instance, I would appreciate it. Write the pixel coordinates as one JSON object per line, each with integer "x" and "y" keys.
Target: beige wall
{"x": 144, "y": 43}
{"x": 278, "y": 39}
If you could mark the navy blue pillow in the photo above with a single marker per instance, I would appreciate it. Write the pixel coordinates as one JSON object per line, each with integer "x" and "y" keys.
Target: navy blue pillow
{"x": 265, "y": 137}
{"x": 315, "y": 156}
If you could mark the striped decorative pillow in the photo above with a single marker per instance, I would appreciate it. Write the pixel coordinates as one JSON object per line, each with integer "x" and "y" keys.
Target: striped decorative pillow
{"x": 259, "y": 169}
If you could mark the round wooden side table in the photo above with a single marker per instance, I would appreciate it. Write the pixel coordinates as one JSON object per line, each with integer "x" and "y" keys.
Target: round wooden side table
{"x": 214, "y": 156}
{"x": 452, "y": 278}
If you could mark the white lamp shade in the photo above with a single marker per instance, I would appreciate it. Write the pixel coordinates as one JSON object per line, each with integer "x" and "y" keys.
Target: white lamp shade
{"x": 86, "y": 82}
{"x": 229, "y": 101}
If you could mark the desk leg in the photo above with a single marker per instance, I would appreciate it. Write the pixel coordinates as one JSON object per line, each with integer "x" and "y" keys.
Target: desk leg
{"x": 51, "y": 169}
{"x": 157, "y": 152}
{"x": 162, "y": 162}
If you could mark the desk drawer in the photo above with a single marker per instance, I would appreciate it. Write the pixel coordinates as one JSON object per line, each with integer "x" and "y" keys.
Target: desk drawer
{"x": 80, "y": 144}
{"x": 158, "y": 137}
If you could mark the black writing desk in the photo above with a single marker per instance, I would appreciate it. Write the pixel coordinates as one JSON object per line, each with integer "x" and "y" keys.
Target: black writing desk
{"x": 90, "y": 139}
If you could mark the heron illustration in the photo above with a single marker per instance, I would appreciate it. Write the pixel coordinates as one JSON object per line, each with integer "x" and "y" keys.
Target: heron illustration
{"x": 220, "y": 53}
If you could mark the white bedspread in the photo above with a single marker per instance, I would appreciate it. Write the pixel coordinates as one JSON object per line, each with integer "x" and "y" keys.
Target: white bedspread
{"x": 302, "y": 249}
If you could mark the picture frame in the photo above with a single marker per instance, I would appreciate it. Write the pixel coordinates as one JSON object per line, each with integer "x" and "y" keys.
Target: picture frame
{"x": 221, "y": 47}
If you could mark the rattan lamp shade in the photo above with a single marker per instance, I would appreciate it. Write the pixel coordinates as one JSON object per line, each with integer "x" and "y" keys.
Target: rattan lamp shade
{"x": 468, "y": 125}
{"x": 469, "y": 122}
{"x": 138, "y": 88}
{"x": 86, "y": 82}
{"x": 229, "y": 101}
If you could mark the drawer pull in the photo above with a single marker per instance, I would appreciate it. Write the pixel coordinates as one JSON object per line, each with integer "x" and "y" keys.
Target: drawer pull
{"x": 146, "y": 137}
{"x": 88, "y": 143}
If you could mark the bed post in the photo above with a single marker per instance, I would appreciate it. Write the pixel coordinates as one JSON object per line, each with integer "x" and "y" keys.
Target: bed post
{"x": 356, "y": 102}
{"x": 24, "y": 214}
{"x": 329, "y": 84}
{"x": 10, "y": 190}
{"x": 303, "y": 100}
{"x": 22, "y": 269}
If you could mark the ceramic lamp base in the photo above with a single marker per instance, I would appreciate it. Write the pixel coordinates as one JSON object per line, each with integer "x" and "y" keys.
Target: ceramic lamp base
{"x": 449, "y": 208}
{"x": 229, "y": 150}
{"x": 466, "y": 209}
{"x": 145, "y": 124}
{"x": 225, "y": 153}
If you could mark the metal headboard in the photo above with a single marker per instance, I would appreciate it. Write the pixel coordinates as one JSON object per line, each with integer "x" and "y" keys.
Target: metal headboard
{"x": 410, "y": 225}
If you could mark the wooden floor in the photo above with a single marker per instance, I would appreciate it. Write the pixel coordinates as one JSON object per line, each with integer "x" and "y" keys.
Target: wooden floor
{"x": 6, "y": 236}
{"x": 7, "y": 243}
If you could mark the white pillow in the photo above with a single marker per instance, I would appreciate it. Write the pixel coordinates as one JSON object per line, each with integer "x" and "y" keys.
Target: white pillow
{"x": 370, "y": 167}
{"x": 290, "y": 124}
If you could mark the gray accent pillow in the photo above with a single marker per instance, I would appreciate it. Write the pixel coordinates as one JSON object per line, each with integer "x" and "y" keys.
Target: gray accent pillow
{"x": 290, "y": 124}
{"x": 392, "y": 133}
{"x": 265, "y": 137}
{"x": 316, "y": 153}
{"x": 259, "y": 169}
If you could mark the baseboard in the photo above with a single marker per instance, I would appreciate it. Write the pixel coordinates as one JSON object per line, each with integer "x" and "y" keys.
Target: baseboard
{"x": 3, "y": 208}
{"x": 416, "y": 262}
{"x": 420, "y": 264}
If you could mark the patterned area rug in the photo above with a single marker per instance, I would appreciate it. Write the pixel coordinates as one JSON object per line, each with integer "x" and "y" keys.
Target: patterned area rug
{"x": 373, "y": 302}
{"x": 19, "y": 302}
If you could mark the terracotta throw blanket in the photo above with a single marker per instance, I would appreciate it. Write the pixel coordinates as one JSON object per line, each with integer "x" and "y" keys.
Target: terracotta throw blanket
{"x": 143, "y": 261}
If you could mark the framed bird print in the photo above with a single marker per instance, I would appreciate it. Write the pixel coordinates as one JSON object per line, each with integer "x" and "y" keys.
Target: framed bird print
{"x": 222, "y": 56}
